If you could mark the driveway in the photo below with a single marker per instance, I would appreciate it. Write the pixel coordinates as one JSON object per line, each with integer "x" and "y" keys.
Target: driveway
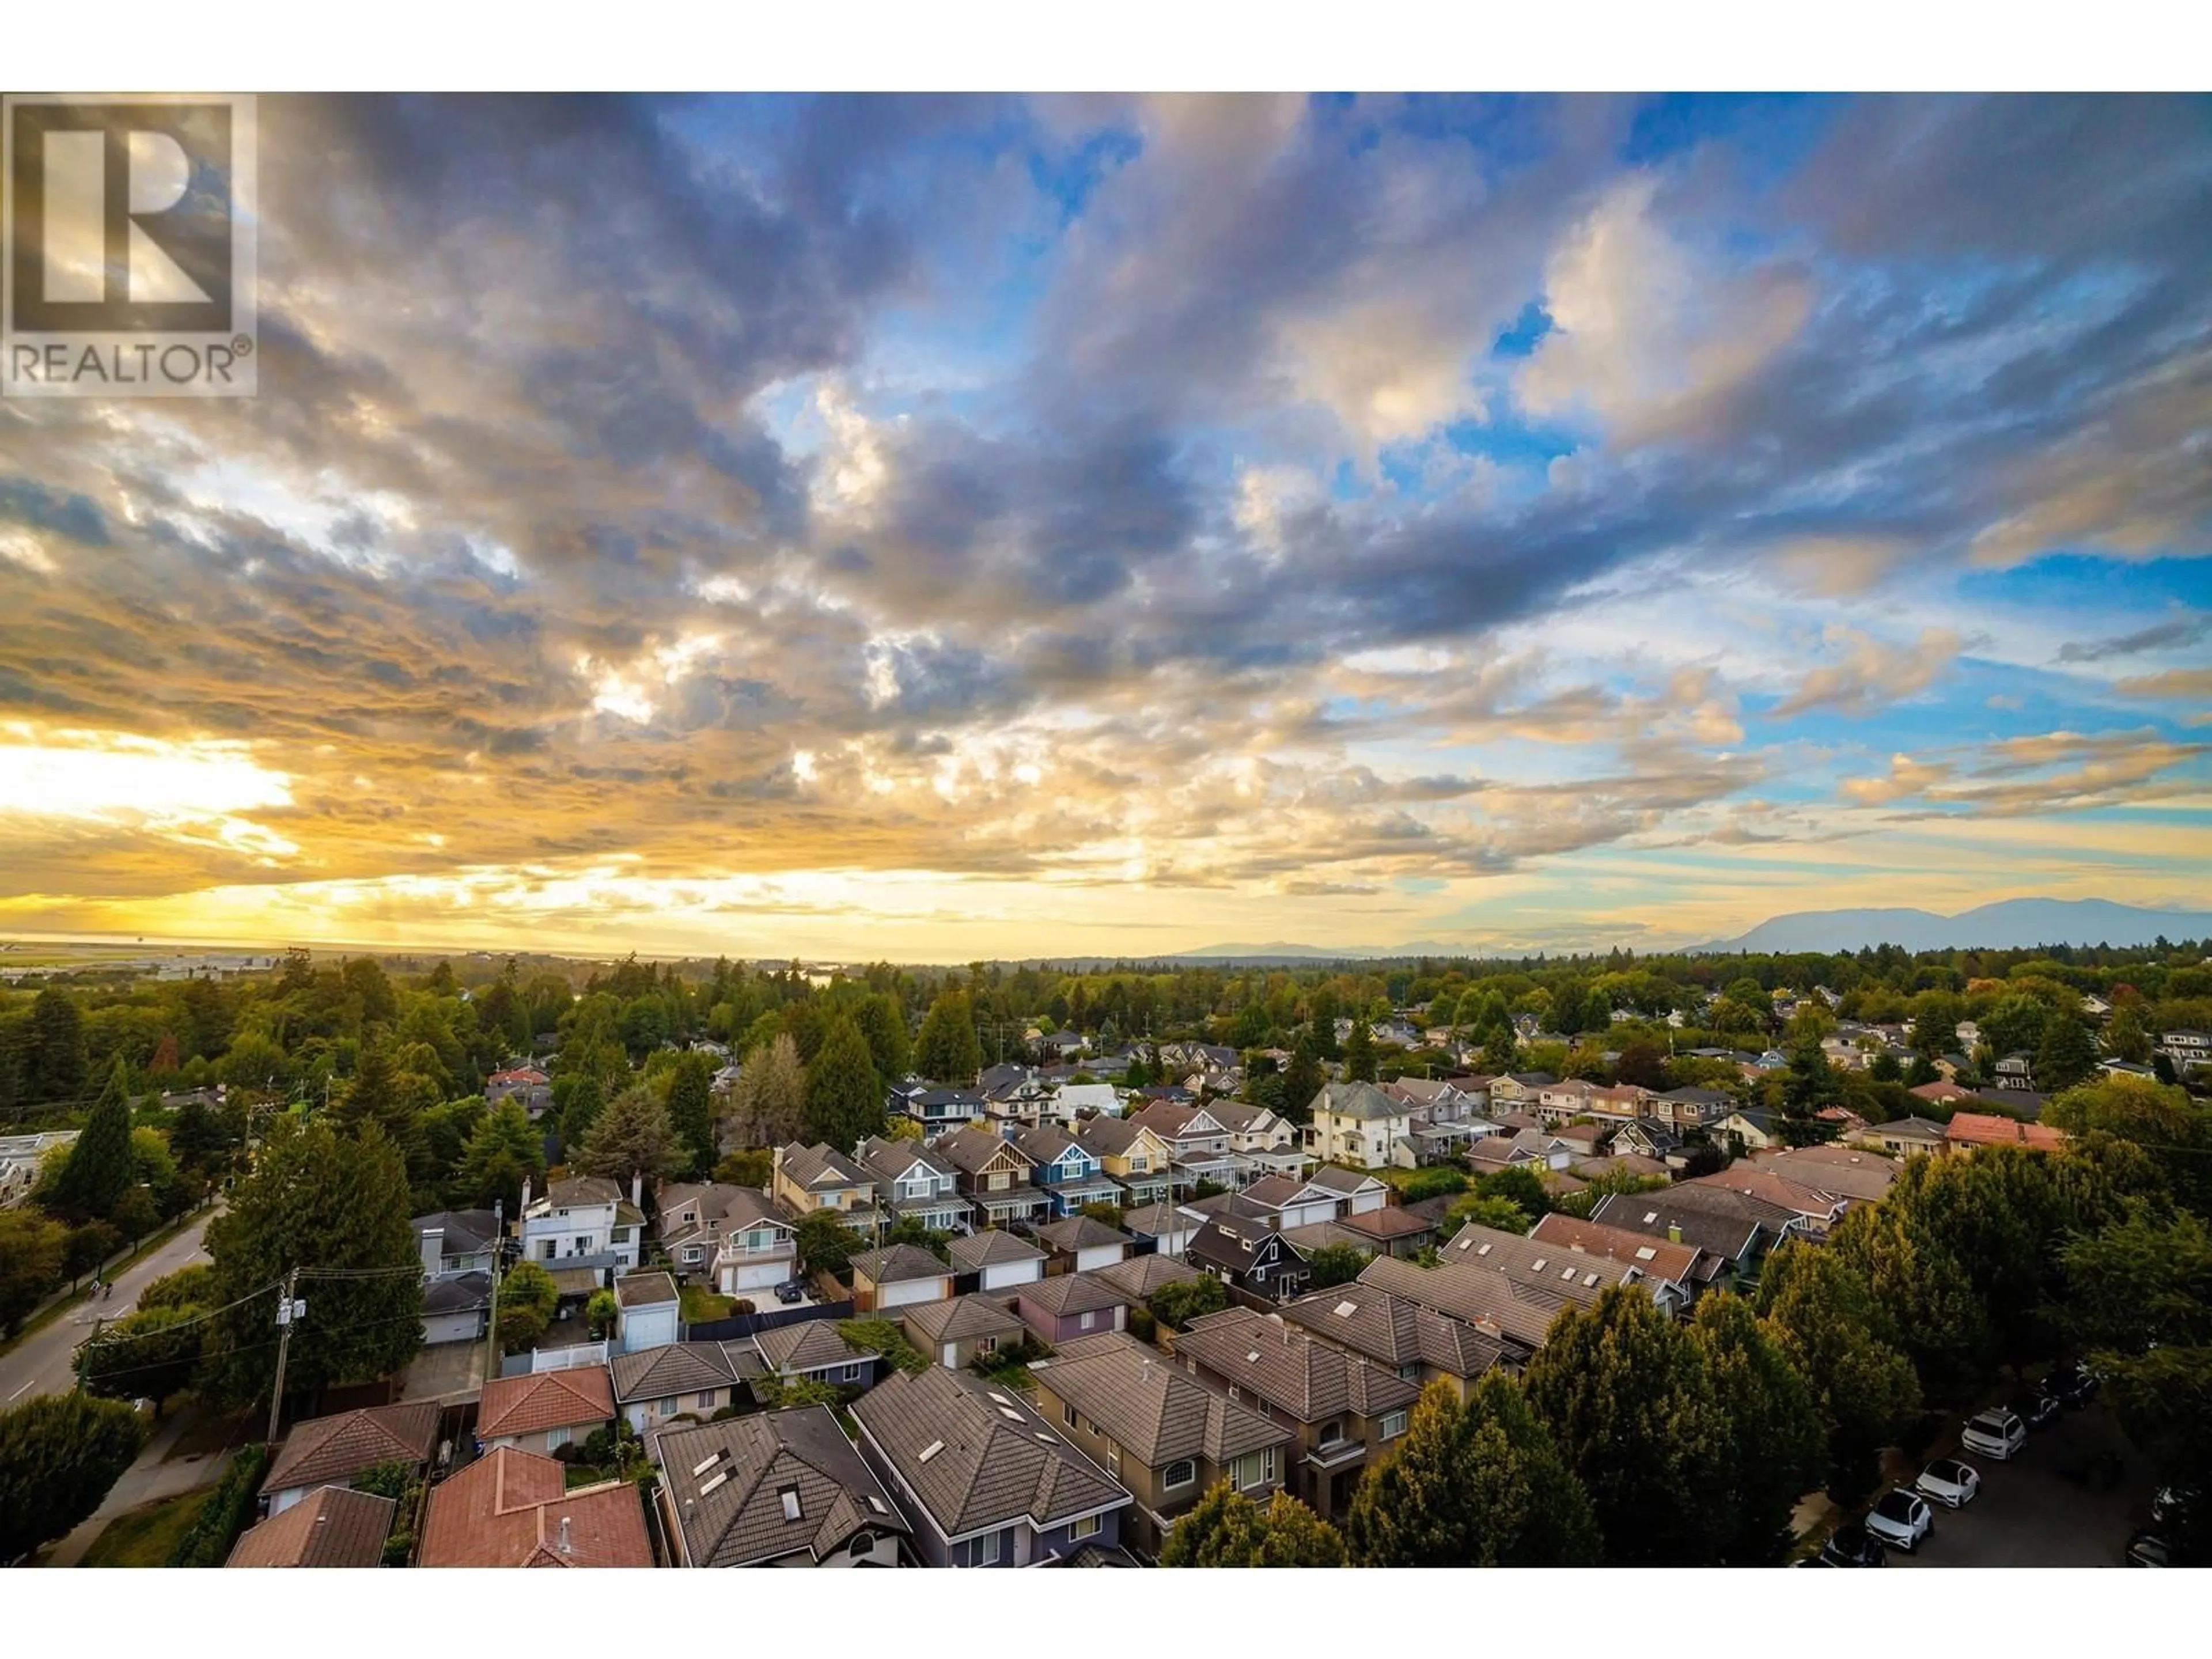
{"x": 44, "y": 1361}
{"x": 2050, "y": 1506}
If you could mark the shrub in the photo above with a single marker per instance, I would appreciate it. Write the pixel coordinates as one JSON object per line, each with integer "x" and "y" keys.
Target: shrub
{"x": 1142, "y": 1325}
{"x": 228, "y": 1512}
{"x": 1176, "y": 1306}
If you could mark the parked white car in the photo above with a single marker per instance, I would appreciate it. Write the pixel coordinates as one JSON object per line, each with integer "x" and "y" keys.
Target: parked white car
{"x": 1949, "y": 1482}
{"x": 1899, "y": 1517}
{"x": 1996, "y": 1434}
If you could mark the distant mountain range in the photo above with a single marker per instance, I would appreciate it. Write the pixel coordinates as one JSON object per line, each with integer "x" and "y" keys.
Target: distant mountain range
{"x": 2012, "y": 925}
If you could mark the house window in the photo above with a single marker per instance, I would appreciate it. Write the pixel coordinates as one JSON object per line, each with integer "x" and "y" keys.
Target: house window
{"x": 849, "y": 1374}
{"x": 705, "y": 1401}
{"x": 986, "y": 1344}
{"x": 1181, "y": 1472}
{"x": 1068, "y": 1415}
{"x": 664, "y": 1408}
{"x": 862, "y": 1544}
{"x": 692, "y": 1252}
{"x": 551, "y": 1248}
{"x": 1087, "y": 1527}
{"x": 556, "y": 1438}
{"x": 1139, "y": 1164}
{"x": 984, "y": 1552}
{"x": 1088, "y": 1321}
{"x": 1394, "y": 1424}
{"x": 1332, "y": 1434}
{"x": 1000, "y": 1182}
{"x": 1113, "y": 1458}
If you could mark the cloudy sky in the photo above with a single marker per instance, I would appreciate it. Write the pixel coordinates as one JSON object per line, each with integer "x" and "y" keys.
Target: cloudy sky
{"x": 941, "y": 528}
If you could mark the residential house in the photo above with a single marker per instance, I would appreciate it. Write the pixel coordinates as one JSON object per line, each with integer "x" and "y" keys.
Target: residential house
{"x": 459, "y": 1249}
{"x": 1080, "y": 1100}
{"x": 1729, "y": 1248}
{"x": 1573, "y": 1098}
{"x": 916, "y": 1184}
{"x": 959, "y": 1332}
{"x": 654, "y": 1387}
{"x": 1355, "y": 1192}
{"x": 1557, "y": 1269}
{"x": 1517, "y": 1089}
{"x": 1279, "y": 1200}
{"x": 533, "y": 1088}
{"x": 1967, "y": 1130}
{"x": 2188, "y": 1050}
{"x": 1061, "y": 1309}
{"x": 1944, "y": 1093}
{"x": 1262, "y": 1142}
{"x": 1166, "y": 1227}
{"x": 514, "y": 1509}
{"x": 330, "y": 1527}
{"x": 331, "y": 1451}
{"x": 1139, "y": 1276}
{"x": 1690, "y": 1109}
{"x": 1026, "y": 1100}
{"x": 1161, "y": 1432}
{"x": 1198, "y": 1143}
{"x": 646, "y": 1312}
{"x": 1132, "y": 1156}
{"x": 1538, "y": 1149}
{"x": 1345, "y": 1410}
{"x": 896, "y": 1275}
{"x": 985, "y": 1480}
{"x": 545, "y": 1411}
{"x": 1648, "y": 1140}
{"x": 805, "y": 1179}
{"x": 1669, "y": 1266}
{"x": 995, "y": 1176}
{"x": 998, "y": 1260}
{"x": 1420, "y": 1345}
{"x": 735, "y": 1237}
{"x": 813, "y": 1351}
{"x": 1904, "y": 1135}
{"x": 1079, "y": 1244}
{"x": 780, "y": 1489}
{"x": 584, "y": 1223}
{"x": 1814, "y": 1209}
{"x": 22, "y": 1157}
{"x": 1755, "y": 1127}
{"x": 1865, "y": 1177}
{"x": 1249, "y": 1255}
{"x": 936, "y": 1109}
{"x": 1516, "y": 1315}
{"x": 1389, "y": 1230}
{"x": 1068, "y": 1174}
{"x": 1357, "y": 1123}
{"x": 1633, "y": 1165}
{"x": 2016, "y": 1071}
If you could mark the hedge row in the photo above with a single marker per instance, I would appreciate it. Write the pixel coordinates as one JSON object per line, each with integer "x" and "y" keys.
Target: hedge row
{"x": 228, "y": 1512}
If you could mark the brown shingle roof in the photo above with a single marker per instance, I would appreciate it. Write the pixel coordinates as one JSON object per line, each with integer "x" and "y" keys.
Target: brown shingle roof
{"x": 753, "y": 1489}
{"x": 1389, "y": 1223}
{"x": 960, "y": 1318}
{"x": 1659, "y": 1258}
{"x": 1488, "y": 1301}
{"x": 1073, "y": 1293}
{"x": 1139, "y": 1276}
{"x": 1393, "y": 1331}
{"x": 645, "y": 1290}
{"x": 1153, "y": 1411}
{"x": 330, "y": 1527}
{"x": 1284, "y": 1366}
{"x": 809, "y": 1345}
{"x": 1080, "y": 1232}
{"x": 991, "y": 1248}
{"x": 331, "y": 1450}
{"x": 674, "y": 1368}
{"x": 898, "y": 1264}
{"x": 545, "y": 1400}
{"x": 508, "y": 1509}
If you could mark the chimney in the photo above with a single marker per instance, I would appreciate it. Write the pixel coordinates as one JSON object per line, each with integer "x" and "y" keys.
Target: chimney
{"x": 567, "y": 1548}
{"x": 1673, "y": 1232}
{"x": 523, "y": 1209}
{"x": 637, "y": 1187}
{"x": 432, "y": 1243}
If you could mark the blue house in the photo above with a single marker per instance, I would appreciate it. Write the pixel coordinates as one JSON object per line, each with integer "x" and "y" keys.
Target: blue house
{"x": 1067, "y": 1172}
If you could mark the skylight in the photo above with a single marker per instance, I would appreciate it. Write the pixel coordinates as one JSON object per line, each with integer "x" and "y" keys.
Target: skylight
{"x": 1346, "y": 1309}
{"x": 1252, "y": 1356}
{"x": 1589, "y": 1280}
{"x": 790, "y": 1496}
{"x": 713, "y": 1483}
{"x": 1650, "y": 1216}
{"x": 878, "y": 1504}
{"x": 932, "y": 1450}
{"x": 1010, "y": 1414}
{"x": 1539, "y": 1264}
{"x": 1566, "y": 1272}
{"x": 1645, "y": 1253}
{"x": 706, "y": 1463}
{"x": 1485, "y": 1250}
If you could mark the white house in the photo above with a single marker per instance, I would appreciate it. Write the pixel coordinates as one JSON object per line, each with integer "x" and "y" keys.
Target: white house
{"x": 584, "y": 1222}
{"x": 1357, "y": 1123}
{"x": 2187, "y": 1050}
{"x": 1089, "y": 1098}
{"x": 999, "y": 1259}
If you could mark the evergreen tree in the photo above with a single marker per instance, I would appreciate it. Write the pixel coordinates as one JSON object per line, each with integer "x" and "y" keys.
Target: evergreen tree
{"x": 60, "y": 1455}
{"x": 883, "y": 1023}
{"x": 337, "y": 1207}
{"x": 504, "y": 1151}
{"x": 633, "y": 1138}
{"x": 379, "y": 1094}
{"x": 1628, "y": 1397}
{"x": 1360, "y": 1051}
{"x": 55, "y": 1068}
{"x": 691, "y": 1108}
{"x": 1776, "y": 1449}
{"x": 949, "y": 1051}
{"x": 99, "y": 1169}
{"x": 1301, "y": 1081}
{"x": 1479, "y": 1485}
{"x": 844, "y": 1097}
{"x": 1228, "y": 1530}
{"x": 769, "y": 1101}
{"x": 2067, "y": 1055}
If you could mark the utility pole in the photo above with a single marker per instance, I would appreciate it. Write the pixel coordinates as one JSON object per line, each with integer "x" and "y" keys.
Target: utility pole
{"x": 491, "y": 1318}
{"x": 288, "y": 1314}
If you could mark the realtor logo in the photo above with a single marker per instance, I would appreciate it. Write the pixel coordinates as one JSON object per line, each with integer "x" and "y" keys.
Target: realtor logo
{"x": 127, "y": 254}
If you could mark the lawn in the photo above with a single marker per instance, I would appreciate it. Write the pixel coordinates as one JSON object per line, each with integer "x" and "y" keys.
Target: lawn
{"x": 698, "y": 1304}
{"x": 146, "y": 1538}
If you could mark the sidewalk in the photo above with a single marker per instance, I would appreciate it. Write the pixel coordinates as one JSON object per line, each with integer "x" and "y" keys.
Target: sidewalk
{"x": 152, "y": 1477}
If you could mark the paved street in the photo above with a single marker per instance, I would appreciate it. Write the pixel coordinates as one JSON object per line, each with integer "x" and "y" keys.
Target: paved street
{"x": 2048, "y": 1507}
{"x": 42, "y": 1362}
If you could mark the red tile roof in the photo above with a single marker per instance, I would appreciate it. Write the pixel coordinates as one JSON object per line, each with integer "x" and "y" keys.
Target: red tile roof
{"x": 330, "y": 1527}
{"x": 507, "y": 1510}
{"x": 545, "y": 1400}
{"x": 1987, "y": 1129}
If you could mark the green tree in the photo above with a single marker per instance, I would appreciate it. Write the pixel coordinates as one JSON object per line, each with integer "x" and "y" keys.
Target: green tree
{"x": 1777, "y": 1446}
{"x": 1845, "y": 1345}
{"x": 2124, "y": 1036}
{"x": 1481, "y": 1485}
{"x": 883, "y": 1023}
{"x": 949, "y": 1050}
{"x": 1628, "y": 1397}
{"x": 1360, "y": 1052}
{"x": 32, "y": 1248}
{"x": 1503, "y": 1213}
{"x": 2152, "y": 1115}
{"x": 505, "y": 1151}
{"x": 528, "y": 1299}
{"x": 60, "y": 1454}
{"x": 99, "y": 1169}
{"x": 1520, "y": 1186}
{"x": 768, "y": 1102}
{"x": 1227, "y": 1529}
{"x": 55, "y": 1067}
{"x": 150, "y": 1353}
{"x": 825, "y": 1243}
{"x": 691, "y": 1108}
{"x": 844, "y": 1096}
{"x": 633, "y": 1139}
{"x": 1175, "y": 1305}
{"x": 1335, "y": 1264}
{"x": 2067, "y": 1055}
{"x": 187, "y": 1287}
{"x": 336, "y": 1207}
{"x": 600, "y": 1313}
{"x": 380, "y": 1093}
{"x": 1301, "y": 1081}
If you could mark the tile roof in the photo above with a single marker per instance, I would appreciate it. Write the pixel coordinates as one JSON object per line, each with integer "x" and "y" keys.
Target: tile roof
{"x": 899, "y": 1264}
{"x": 960, "y": 1318}
{"x": 467, "y": 1232}
{"x": 581, "y": 1193}
{"x": 1108, "y": 1137}
{"x": 330, "y": 1527}
{"x": 1388, "y": 1222}
{"x": 977, "y": 1457}
{"x": 1363, "y": 1101}
{"x": 1910, "y": 1128}
{"x": 1333, "y": 1178}
{"x": 1081, "y": 1232}
{"x": 1280, "y": 1364}
{"x": 462, "y": 1293}
{"x": 1489, "y": 1301}
{"x": 545, "y": 1400}
{"x": 808, "y": 1346}
{"x": 1724, "y": 1237}
{"x": 1073, "y": 1293}
{"x": 1153, "y": 1219}
{"x": 1750, "y": 1181}
{"x": 822, "y": 1165}
{"x": 508, "y": 1509}
{"x": 1153, "y": 1411}
{"x": 971, "y": 1147}
{"x": 331, "y": 1450}
{"x": 892, "y": 1160}
{"x": 672, "y": 1369}
{"x": 1139, "y": 1276}
{"x": 1987, "y": 1129}
{"x": 1867, "y": 1176}
{"x": 652, "y": 1289}
{"x": 1659, "y": 1257}
{"x": 1551, "y": 1269}
{"x": 1320, "y": 1234}
{"x": 759, "y": 1488}
{"x": 1393, "y": 1331}
{"x": 993, "y": 1248}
